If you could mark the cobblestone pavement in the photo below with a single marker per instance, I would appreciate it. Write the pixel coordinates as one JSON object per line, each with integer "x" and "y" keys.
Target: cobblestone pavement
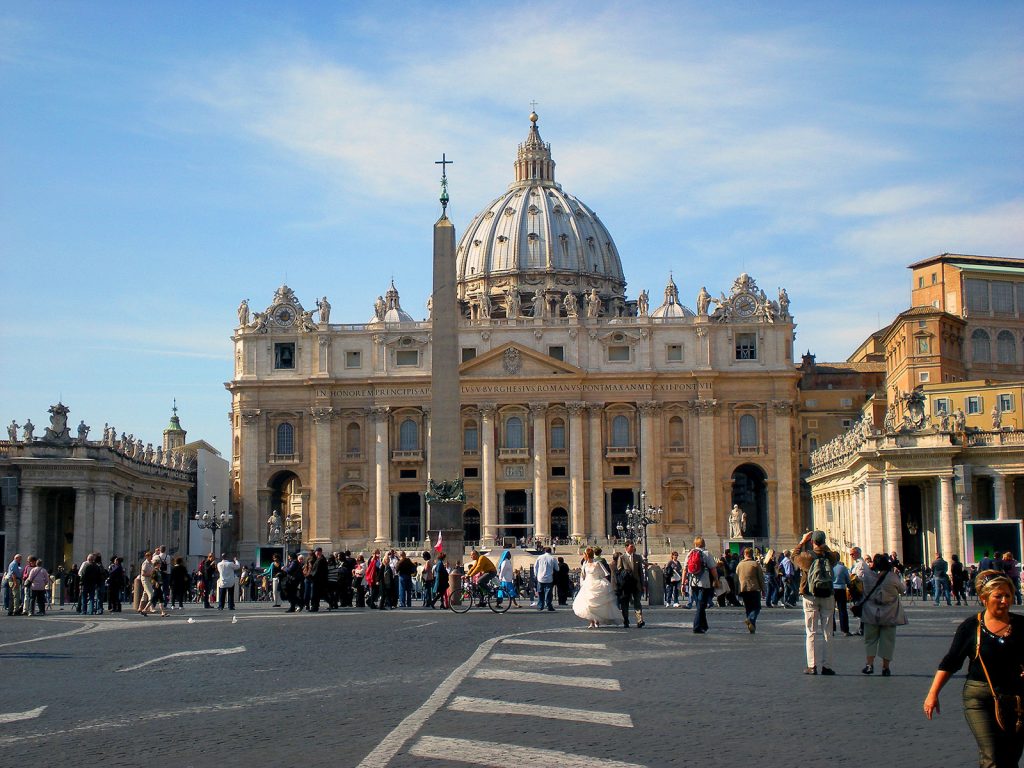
{"x": 431, "y": 688}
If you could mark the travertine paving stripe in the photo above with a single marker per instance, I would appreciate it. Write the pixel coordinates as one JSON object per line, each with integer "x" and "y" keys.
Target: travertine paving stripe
{"x": 474, "y": 704}
{"x": 574, "y": 660}
{"x": 556, "y": 644}
{"x": 546, "y": 679}
{"x": 501, "y": 755}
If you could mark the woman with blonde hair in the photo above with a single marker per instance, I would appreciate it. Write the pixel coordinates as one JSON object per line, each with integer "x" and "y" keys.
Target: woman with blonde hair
{"x": 595, "y": 601}
{"x": 146, "y": 576}
{"x": 994, "y": 642}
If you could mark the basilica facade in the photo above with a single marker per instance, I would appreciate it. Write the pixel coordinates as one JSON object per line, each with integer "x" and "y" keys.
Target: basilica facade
{"x": 575, "y": 398}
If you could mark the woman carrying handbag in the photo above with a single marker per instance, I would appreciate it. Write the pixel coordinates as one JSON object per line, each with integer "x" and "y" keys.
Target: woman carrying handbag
{"x": 881, "y": 612}
{"x": 993, "y": 694}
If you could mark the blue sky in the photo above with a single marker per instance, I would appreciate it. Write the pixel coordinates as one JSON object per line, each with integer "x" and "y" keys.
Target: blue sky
{"x": 160, "y": 162}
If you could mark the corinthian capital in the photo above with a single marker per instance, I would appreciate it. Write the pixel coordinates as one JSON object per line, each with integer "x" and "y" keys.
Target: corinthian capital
{"x": 537, "y": 410}
{"x": 321, "y": 415}
{"x": 649, "y": 407}
{"x": 577, "y": 407}
{"x": 704, "y": 406}
{"x": 250, "y": 416}
{"x": 487, "y": 410}
{"x": 380, "y": 413}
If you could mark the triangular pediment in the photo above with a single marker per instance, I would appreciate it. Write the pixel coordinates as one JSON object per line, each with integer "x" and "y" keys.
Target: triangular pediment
{"x": 512, "y": 360}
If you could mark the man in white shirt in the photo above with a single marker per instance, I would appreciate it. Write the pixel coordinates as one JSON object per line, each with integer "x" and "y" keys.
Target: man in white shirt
{"x": 544, "y": 571}
{"x": 228, "y": 572}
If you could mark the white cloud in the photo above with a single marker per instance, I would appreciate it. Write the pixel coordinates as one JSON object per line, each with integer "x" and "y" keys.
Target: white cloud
{"x": 895, "y": 199}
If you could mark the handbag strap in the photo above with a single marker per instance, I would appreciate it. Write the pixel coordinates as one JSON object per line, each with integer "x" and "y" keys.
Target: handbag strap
{"x": 877, "y": 585}
{"x": 978, "y": 656}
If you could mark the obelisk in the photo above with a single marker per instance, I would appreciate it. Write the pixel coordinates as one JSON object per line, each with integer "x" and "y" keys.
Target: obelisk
{"x": 445, "y": 494}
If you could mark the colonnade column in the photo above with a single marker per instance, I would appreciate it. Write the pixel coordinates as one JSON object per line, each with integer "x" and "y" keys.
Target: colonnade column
{"x": 82, "y": 544}
{"x": 576, "y": 520}
{"x": 488, "y": 513}
{"x": 103, "y": 523}
{"x": 28, "y": 524}
{"x": 598, "y": 508}
{"x": 382, "y": 475}
{"x": 119, "y": 545}
{"x": 999, "y": 496}
{"x": 948, "y": 529}
{"x": 707, "y": 518}
{"x": 893, "y": 519}
{"x": 541, "y": 508}
{"x": 323, "y": 513}
{"x": 782, "y": 516}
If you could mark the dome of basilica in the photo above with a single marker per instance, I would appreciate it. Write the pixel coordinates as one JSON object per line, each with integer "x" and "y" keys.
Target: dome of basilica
{"x": 537, "y": 250}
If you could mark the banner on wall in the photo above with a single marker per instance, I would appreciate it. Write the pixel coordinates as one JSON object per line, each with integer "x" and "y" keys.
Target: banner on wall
{"x": 990, "y": 536}
{"x": 736, "y": 546}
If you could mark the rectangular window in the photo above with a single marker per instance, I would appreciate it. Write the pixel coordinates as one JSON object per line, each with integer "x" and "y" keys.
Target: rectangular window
{"x": 746, "y": 346}
{"x": 1002, "y": 297}
{"x": 923, "y": 376}
{"x": 557, "y": 352}
{"x": 284, "y": 356}
{"x": 847, "y": 423}
{"x": 976, "y": 295}
{"x": 618, "y": 354}
{"x": 941, "y": 406}
{"x": 1020, "y": 298}
{"x": 470, "y": 439}
{"x": 935, "y": 278}
{"x": 620, "y": 469}
{"x": 1005, "y": 403}
{"x": 812, "y": 403}
{"x": 920, "y": 281}
{"x": 468, "y": 353}
{"x": 974, "y": 404}
{"x": 813, "y": 443}
{"x": 558, "y": 471}
{"x": 353, "y": 358}
{"x": 407, "y": 357}
{"x": 471, "y": 472}
{"x": 846, "y": 402}
{"x": 407, "y": 474}
{"x": 674, "y": 353}
{"x": 812, "y": 423}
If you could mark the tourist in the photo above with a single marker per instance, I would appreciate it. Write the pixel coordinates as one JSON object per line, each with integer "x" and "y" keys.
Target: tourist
{"x": 179, "y": 580}
{"x": 993, "y": 640}
{"x": 318, "y": 579}
{"x": 227, "y": 578}
{"x": 116, "y": 580}
{"x": 840, "y": 585}
{"x": 507, "y": 577}
{"x": 563, "y": 581}
{"x": 940, "y": 579}
{"x": 38, "y": 579}
{"x": 750, "y": 578}
{"x": 483, "y": 570}
{"x": 673, "y": 580}
{"x": 630, "y": 580}
{"x": 12, "y": 586}
{"x": 771, "y": 573}
{"x": 959, "y": 579}
{"x": 359, "y": 581}
{"x": 702, "y": 576}
{"x": 1012, "y": 570}
{"x": 544, "y": 572}
{"x": 405, "y": 568}
{"x": 817, "y": 595}
{"x": 441, "y": 581}
{"x": 595, "y": 601}
{"x": 292, "y": 574}
{"x": 882, "y": 612}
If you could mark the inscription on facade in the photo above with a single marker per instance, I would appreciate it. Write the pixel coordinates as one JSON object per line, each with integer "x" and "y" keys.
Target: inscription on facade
{"x": 373, "y": 393}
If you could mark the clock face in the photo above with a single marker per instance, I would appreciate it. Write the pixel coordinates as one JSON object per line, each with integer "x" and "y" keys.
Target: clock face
{"x": 745, "y": 305}
{"x": 284, "y": 316}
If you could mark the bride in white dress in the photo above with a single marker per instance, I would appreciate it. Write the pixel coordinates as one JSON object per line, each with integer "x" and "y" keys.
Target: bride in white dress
{"x": 595, "y": 602}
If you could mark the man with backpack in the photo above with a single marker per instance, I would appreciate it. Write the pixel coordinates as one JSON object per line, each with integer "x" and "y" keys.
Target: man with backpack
{"x": 817, "y": 594}
{"x": 703, "y": 578}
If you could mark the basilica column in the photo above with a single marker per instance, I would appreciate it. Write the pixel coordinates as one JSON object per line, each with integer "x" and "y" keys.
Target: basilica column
{"x": 488, "y": 513}
{"x": 598, "y": 510}
{"x": 82, "y": 544}
{"x": 382, "y": 475}
{"x": 324, "y": 522}
{"x": 541, "y": 508}
{"x": 999, "y": 496}
{"x": 875, "y": 516}
{"x": 948, "y": 528}
{"x": 251, "y": 518}
{"x": 783, "y": 516}
{"x": 648, "y": 453}
{"x": 893, "y": 519}
{"x": 119, "y": 542}
{"x": 707, "y": 516}
{"x": 103, "y": 522}
{"x": 577, "y": 526}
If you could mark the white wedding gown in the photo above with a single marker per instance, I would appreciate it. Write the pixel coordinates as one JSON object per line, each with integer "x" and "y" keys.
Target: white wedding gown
{"x": 595, "y": 601}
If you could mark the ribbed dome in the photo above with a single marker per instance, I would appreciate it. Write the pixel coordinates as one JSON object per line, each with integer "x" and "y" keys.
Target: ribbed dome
{"x": 388, "y": 308}
{"x": 671, "y": 307}
{"x": 538, "y": 239}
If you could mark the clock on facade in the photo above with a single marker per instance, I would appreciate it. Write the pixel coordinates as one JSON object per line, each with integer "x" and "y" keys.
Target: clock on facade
{"x": 745, "y": 305}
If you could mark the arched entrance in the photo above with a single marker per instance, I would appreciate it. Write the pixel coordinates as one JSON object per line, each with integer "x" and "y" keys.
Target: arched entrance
{"x": 409, "y": 511}
{"x": 515, "y": 514}
{"x": 559, "y": 524}
{"x": 912, "y": 523}
{"x": 471, "y": 526}
{"x": 286, "y": 499}
{"x": 750, "y": 492}
{"x": 620, "y": 499}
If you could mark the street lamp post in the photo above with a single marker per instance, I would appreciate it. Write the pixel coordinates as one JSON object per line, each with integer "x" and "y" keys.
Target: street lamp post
{"x": 637, "y": 520}
{"x": 213, "y": 522}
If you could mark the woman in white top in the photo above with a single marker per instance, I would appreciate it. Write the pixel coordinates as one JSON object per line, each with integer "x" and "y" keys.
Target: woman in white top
{"x": 595, "y": 601}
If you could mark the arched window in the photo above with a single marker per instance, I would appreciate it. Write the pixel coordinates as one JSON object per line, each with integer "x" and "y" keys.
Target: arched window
{"x": 470, "y": 437}
{"x": 1006, "y": 347}
{"x": 353, "y": 439}
{"x": 748, "y": 431}
{"x": 675, "y": 432}
{"x": 514, "y": 433}
{"x": 620, "y": 432}
{"x": 557, "y": 435}
{"x": 981, "y": 351}
{"x": 285, "y": 439}
{"x": 408, "y": 436}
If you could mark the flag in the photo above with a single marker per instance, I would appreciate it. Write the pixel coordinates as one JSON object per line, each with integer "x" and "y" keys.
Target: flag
{"x": 437, "y": 546}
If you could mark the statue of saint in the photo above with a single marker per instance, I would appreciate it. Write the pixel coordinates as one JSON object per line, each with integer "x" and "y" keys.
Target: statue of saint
{"x": 325, "y": 310}
{"x": 593, "y": 304}
{"x": 243, "y": 313}
{"x": 703, "y": 301}
{"x": 28, "y": 431}
{"x": 485, "y": 305}
{"x": 379, "y": 308}
{"x": 997, "y": 418}
{"x": 306, "y": 321}
{"x": 83, "y": 431}
{"x": 513, "y": 303}
{"x": 959, "y": 420}
{"x": 12, "y": 431}
{"x": 539, "y": 304}
{"x": 783, "y": 303}
{"x": 274, "y": 527}
{"x": 737, "y": 522}
{"x": 643, "y": 303}
{"x": 572, "y": 306}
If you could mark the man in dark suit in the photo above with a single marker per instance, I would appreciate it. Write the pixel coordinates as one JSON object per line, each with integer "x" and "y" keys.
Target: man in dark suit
{"x": 629, "y": 568}
{"x": 562, "y": 581}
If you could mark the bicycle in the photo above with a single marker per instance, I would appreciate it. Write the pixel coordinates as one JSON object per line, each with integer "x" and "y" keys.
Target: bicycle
{"x": 495, "y": 594}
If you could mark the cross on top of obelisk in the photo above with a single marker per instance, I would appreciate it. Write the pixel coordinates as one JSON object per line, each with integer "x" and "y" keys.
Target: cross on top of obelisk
{"x": 444, "y": 162}
{"x": 533, "y": 105}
